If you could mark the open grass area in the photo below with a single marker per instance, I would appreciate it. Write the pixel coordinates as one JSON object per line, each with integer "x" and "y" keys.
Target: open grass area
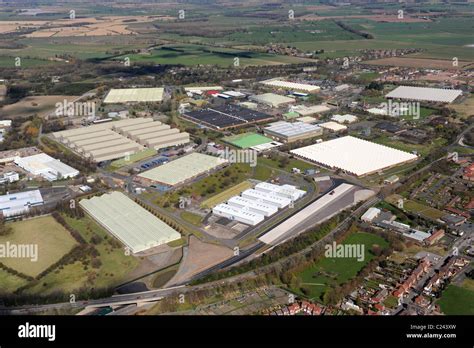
{"x": 416, "y": 207}
{"x": 10, "y": 62}
{"x": 332, "y": 271}
{"x": 132, "y": 158}
{"x": 225, "y": 195}
{"x": 52, "y": 240}
{"x": 457, "y": 300}
{"x": 9, "y": 282}
{"x": 113, "y": 269}
{"x": 191, "y": 218}
{"x": 421, "y": 149}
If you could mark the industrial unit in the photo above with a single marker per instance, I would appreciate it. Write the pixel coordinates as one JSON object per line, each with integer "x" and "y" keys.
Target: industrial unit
{"x": 46, "y": 166}
{"x": 303, "y": 110}
{"x": 112, "y": 140}
{"x": 255, "y": 204}
{"x": 15, "y": 204}
{"x": 182, "y": 169}
{"x": 353, "y": 155}
{"x": 226, "y": 116}
{"x": 268, "y": 198}
{"x": 289, "y": 132}
{"x": 133, "y": 225}
{"x": 437, "y": 95}
{"x": 332, "y": 127}
{"x": 134, "y": 95}
{"x": 287, "y": 191}
{"x": 272, "y": 100}
{"x": 294, "y": 86}
{"x": 241, "y": 215}
{"x": 347, "y": 118}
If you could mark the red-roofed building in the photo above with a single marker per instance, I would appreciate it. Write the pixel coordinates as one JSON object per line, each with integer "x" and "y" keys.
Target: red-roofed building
{"x": 469, "y": 172}
{"x": 435, "y": 236}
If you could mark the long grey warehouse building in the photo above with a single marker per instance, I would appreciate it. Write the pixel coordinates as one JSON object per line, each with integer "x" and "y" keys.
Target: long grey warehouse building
{"x": 112, "y": 140}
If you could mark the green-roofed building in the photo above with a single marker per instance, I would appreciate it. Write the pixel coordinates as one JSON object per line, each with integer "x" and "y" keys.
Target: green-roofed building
{"x": 246, "y": 140}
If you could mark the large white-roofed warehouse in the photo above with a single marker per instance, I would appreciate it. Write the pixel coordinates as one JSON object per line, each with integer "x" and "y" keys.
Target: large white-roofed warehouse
{"x": 437, "y": 95}
{"x": 182, "y": 169}
{"x": 112, "y": 140}
{"x": 134, "y": 95}
{"x": 353, "y": 155}
{"x": 133, "y": 225}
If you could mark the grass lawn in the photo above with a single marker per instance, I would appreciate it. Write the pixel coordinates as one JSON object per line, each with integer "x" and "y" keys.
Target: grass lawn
{"x": 115, "y": 265}
{"x": 52, "y": 239}
{"x": 191, "y": 218}
{"x": 292, "y": 163}
{"x": 423, "y": 210}
{"x": 9, "y": 282}
{"x": 456, "y": 300}
{"x": 225, "y": 195}
{"x": 416, "y": 208}
{"x": 332, "y": 271}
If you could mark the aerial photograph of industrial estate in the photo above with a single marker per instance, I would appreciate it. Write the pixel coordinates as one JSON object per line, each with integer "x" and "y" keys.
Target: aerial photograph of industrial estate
{"x": 263, "y": 158}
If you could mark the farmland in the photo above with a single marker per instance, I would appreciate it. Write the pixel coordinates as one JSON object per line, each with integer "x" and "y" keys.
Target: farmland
{"x": 206, "y": 55}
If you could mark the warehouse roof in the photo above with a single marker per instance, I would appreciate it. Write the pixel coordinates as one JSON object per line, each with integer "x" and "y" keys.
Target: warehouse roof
{"x": 310, "y": 110}
{"x": 354, "y": 155}
{"x": 130, "y": 95}
{"x": 18, "y": 203}
{"x": 133, "y": 225}
{"x": 332, "y": 126}
{"x": 291, "y": 129}
{"x": 182, "y": 169}
{"x": 425, "y": 93}
{"x": 46, "y": 166}
{"x": 272, "y": 99}
{"x": 347, "y": 118}
{"x": 291, "y": 85}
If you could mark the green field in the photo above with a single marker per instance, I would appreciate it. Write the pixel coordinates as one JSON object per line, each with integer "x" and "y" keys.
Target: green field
{"x": 332, "y": 271}
{"x": 225, "y": 195}
{"x": 113, "y": 269}
{"x": 52, "y": 239}
{"x": 10, "y": 282}
{"x": 457, "y": 300}
{"x": 247, "y": 140}
{"x": 191, "y": 218}
{"x": 206, "y": 55}
{"x": 9, "y": 62}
